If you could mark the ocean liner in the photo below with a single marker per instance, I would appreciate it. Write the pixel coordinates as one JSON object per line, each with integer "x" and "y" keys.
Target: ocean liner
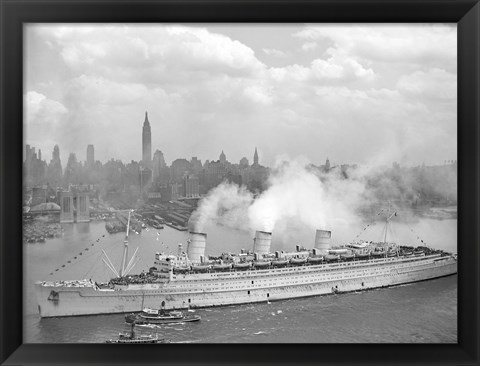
{"x": 192, "y": 280}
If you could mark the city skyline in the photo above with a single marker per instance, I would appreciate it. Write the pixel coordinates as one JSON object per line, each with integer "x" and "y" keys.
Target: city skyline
{"x": 351, "y": 93}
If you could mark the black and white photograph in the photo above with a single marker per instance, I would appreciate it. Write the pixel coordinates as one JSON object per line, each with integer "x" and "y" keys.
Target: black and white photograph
{"x": 240, "y": 183}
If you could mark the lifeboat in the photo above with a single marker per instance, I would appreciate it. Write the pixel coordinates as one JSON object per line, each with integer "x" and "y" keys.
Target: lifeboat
{"x": 408, "y": 254}
{"x": 181, "y": 269}
{"x": 279, "y": 263}
{"x": 418, "y": 253}
{"x": 261, "y": 264}
{"x": 331, "y": 257}
{"x": 315, "y": 259}
{"x": 221, "y": 267}
{"x": 362, "y": 255}
{"x": 347, "y": 257}
{"x": 201, "y": 267}
{"x": 392, "y": 254}
{"x": 378, "y": 254}
{"x": 244, "y": 265}
{"x": 298, "y": 261}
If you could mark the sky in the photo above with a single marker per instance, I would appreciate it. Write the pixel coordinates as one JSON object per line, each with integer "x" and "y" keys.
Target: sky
{"x": 355, "y": 93}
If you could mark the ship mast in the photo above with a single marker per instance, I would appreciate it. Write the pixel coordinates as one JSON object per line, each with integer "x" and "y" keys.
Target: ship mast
{"x": 386, "y": 226}
{"x": 125, "y": 247}
{"x": 125, "y": 267}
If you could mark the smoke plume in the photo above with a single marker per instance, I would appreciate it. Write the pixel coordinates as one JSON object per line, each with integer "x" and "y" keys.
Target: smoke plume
{"x": 301, "y": 198}
{"x": 225, "y": 204}
{"x": 297, "y": 196}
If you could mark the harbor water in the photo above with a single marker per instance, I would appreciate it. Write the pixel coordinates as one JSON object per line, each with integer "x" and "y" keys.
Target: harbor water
{"x": 423, "y": 312}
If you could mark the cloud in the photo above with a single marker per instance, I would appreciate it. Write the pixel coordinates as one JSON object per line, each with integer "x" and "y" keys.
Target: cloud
{"x": 274, "y": 52}
{"x": 309, "y": 46}
{"x": 43, "y": 117}
{"x": 393, "y": 43}
{"x": 337, "y": 67}
{"x": 111, "y": 49}
{"x": 356, "y": 86}
{"x": 259, "y": 94}
{"x": 434, "y": 83}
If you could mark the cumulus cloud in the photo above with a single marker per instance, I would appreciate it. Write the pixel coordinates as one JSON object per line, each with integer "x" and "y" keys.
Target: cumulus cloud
{"x": 356, "y": 84}
{"x": 394, "y": 43}
{"x": 43, "y": 116}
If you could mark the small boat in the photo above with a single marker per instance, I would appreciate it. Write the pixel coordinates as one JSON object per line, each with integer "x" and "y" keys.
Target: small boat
{"x": 331, "y": 257}
{"x": 298, "y": 261}
{"x": 201, "y": 267}
{"x": 408, "y": 254}
{"x": 315, "y": 259}
{"x": 279, "y": 263}
{"x": 222, "y": 267}
{"x": 131, "y": 338}
{"x": 180, "y": 269}
{"x": 391, "y": 253}
{"x": 418, "y": 253}
{"x": 261, "y": 264}
{"x": 154, "y": 316}
{"x": 347, "y": 257}
{"x": 242, "y": 265}
{"x": 378, "y": 254}
{"x": 362, "y": 255}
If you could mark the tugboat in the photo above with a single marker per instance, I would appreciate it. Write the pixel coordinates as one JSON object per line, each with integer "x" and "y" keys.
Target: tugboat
{"x": 154, "y": 316}
{"x": 131, "y": 338}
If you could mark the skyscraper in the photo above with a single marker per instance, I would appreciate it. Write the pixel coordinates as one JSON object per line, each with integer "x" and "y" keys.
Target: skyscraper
{"x": 255, "y": 157}
{"x": 90, "y": 155}
{"x": 146, "y": 142}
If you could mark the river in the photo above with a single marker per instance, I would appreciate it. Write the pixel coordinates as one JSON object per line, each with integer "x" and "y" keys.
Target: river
{"x": 421, "y": 312}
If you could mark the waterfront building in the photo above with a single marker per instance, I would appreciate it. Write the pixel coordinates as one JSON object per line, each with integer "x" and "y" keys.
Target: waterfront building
{"x": 190, "y": 186}
{"x": 66, "y": 207}
{"x": 83, "y": 207}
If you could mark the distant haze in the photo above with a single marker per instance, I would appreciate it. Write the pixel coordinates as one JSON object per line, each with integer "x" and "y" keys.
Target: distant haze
{"x": 365, "y": 94}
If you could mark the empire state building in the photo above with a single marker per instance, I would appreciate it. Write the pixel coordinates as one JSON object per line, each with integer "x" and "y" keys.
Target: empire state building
{"x": 146, "y": 143}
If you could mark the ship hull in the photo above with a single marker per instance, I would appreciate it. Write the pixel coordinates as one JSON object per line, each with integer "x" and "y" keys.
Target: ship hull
{"x": 240, "y": 287}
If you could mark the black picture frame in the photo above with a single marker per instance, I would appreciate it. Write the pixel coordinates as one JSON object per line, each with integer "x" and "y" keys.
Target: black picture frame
{"x": 466, "y": 13}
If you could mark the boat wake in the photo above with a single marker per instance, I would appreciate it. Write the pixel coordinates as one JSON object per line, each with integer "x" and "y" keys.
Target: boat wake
{"x": 260, "y": 332}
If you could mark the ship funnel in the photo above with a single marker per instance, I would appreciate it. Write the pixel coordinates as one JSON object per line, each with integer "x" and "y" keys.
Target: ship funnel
{"x": 261, "y": 242}
{"x": 196, "y": 246}
{"x": 322, "y": 241}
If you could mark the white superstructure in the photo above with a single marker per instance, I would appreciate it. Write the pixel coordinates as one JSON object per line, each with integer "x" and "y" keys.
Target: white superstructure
{"x": 177, "y": 282}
